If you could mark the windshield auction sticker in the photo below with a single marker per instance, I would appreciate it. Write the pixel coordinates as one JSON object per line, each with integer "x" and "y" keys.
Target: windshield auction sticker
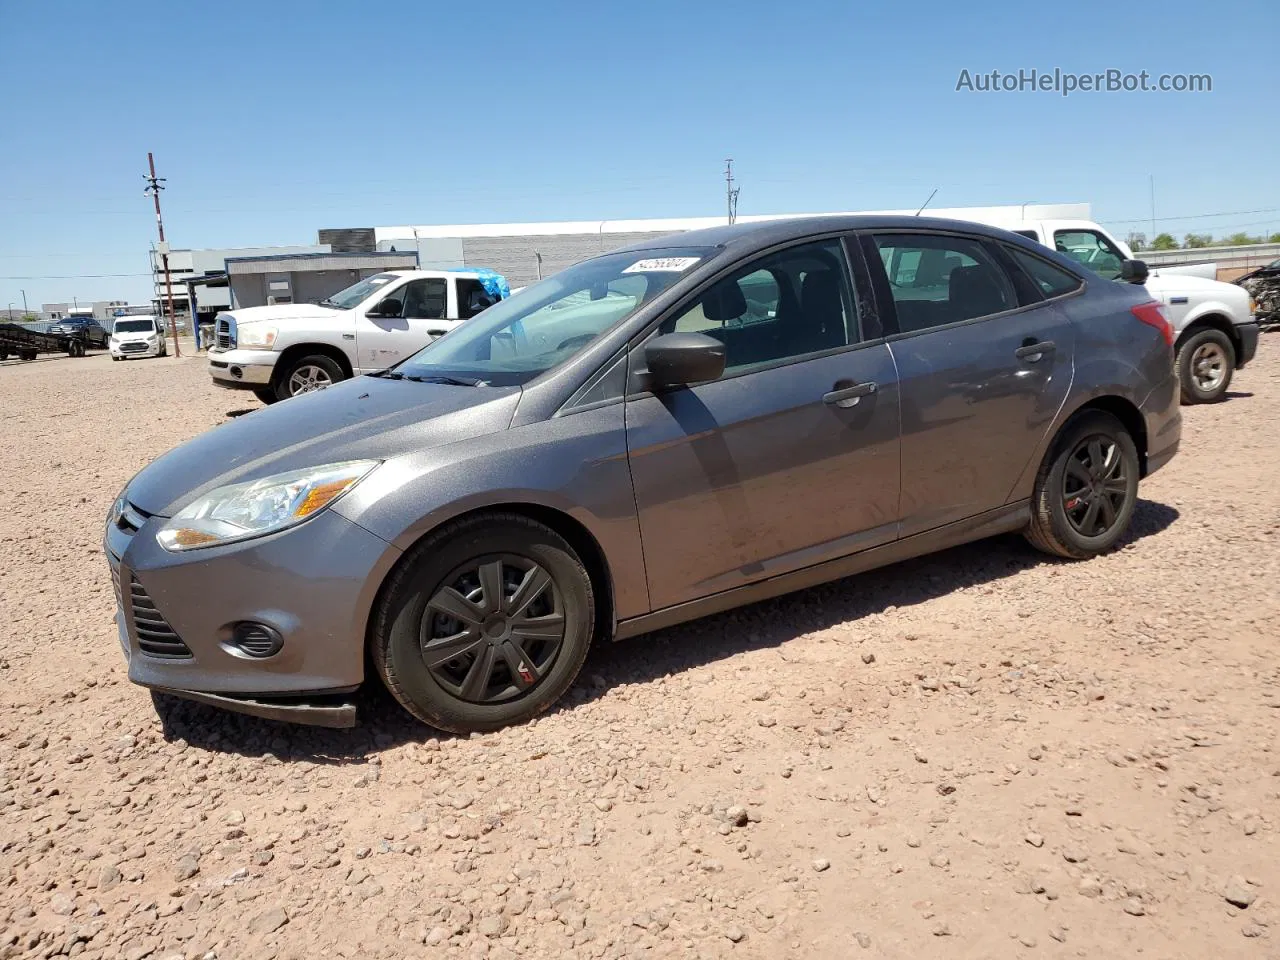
{"x": 662, "y": 265}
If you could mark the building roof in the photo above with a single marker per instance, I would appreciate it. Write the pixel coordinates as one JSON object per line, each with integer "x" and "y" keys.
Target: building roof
{"x": 1027, "y": 211}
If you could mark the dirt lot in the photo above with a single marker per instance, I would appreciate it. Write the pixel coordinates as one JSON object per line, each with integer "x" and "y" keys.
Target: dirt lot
{"x": 979, "y": 754}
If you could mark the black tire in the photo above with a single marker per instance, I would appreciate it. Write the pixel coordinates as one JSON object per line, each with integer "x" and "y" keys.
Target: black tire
{"x": 4, "y": 355}
{"x": 26, "y": 355}
{"x": 265, "y": 394}
{"x": 285, "y": 384}
{"x": 117, "y": 358}
{"x": 403, "y": 616}
{"x": 1205, "y": 365}
{"x": 1060, "y": 509}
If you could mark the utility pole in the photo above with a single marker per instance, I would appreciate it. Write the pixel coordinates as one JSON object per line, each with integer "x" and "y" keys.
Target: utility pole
{"x": 154, "y": 186}
{"x": 1153, "y": 206}
{"x": 24, "y": 303}
{"x": 731, "y": 192}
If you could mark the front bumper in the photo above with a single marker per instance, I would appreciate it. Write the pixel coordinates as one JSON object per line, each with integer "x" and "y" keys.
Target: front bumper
{"x": 152, "y": 350}
{"x": 314, "y": 584}
{"x": 242, "y": 369}
{"x": 1248, "y": 335}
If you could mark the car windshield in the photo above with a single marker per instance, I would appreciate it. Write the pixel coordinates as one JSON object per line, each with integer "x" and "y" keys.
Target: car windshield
{"x": 144, "y": 325}
{"x": 358, "y": 292}
{"x": 545, "y": 324}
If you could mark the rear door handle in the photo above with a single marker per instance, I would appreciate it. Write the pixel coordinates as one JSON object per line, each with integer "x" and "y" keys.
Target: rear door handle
{"x": 1034, "y": 350}
{"x": 849, "y": 394}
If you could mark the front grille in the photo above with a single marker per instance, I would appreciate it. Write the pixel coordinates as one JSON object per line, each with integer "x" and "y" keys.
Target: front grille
{"x": 155, "y": 637}
{"x": 225, "y": 334}
{"x": 115, "y": 577}
{"x": 136, "y": 346}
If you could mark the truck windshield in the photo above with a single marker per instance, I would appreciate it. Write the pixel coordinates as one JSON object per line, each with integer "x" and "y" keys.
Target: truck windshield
{"x": 358, "y": 292}
{"x": 144, "y": 325}
{"x": 545, "y": 324}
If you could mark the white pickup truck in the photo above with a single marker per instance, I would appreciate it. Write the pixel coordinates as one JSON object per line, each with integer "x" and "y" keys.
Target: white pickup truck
{"x": 1214, "y": 327}
{"x": 281, "y": 350}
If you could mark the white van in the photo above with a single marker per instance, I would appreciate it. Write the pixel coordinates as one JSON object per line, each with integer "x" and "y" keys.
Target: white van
{"x": 137, "y": 337}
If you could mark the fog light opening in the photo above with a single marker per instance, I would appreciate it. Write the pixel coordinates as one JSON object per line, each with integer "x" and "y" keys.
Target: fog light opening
{"x": 256, "y": 640}
{"x": 237, "y": 372}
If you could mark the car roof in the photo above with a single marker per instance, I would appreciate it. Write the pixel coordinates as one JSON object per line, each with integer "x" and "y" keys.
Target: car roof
{"x": 743, "y": 237}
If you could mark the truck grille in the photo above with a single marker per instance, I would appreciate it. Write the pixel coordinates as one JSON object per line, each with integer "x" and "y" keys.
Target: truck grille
{"x": 225, "y": 333}
{"x": 155, "y": 637}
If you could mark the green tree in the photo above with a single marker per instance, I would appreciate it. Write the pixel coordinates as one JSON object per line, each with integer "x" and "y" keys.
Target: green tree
{"x": 1193, "y": 241}
{"x": 1137, "y": 241}
{"x": 1164, "y": 241}
{"x": 1241, "y": 239}
{"x": 1274, "y": 238}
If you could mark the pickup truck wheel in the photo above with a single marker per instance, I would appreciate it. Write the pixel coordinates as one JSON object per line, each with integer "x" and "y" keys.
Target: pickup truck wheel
{"x": 265, "y": 394}
{"x": 1205, "y": 364}
{"x": 1086, "y": 489}
{"x": 308, "y": 374}
{"x": 485, "y": 623}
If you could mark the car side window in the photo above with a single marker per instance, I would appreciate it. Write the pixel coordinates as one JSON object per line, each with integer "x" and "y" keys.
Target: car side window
{"x": 936, "y": 279}
{"x": 1053, "y": 281}
{"x": 424, "y": 299}
{"x": 1091, "y": 249}
{"x": 784, "y": 305}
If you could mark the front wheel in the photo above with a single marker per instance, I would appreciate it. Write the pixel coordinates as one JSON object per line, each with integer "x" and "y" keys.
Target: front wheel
{"x": 1205, "y": 364}
{"x": 1086, "y": 489}
{"x": 486, "y": 623}
{"x": 307, "y": 375}
{"x": 265, "y": 394}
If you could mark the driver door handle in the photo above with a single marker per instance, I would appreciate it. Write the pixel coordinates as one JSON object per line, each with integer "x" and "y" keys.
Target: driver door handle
{"x": 847, "y": 394}
{"x": 1032, "y": 350}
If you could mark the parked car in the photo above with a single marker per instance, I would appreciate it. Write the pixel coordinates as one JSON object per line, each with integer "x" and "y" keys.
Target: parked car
{"x": 94, "y": 334}
{"x": 1263, "y": 286}
{"x": 652, "y": 435}
{"x": 1213, "y": 323}
{"x": 282, "y": 350}
{"x": 137, "y": 337}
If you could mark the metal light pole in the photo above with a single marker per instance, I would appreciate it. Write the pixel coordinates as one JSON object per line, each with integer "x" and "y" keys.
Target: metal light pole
{"x": 154, "y": 186}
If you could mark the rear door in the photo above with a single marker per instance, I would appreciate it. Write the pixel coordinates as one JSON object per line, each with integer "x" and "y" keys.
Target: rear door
{"x": 791, "y": 457}
{"x": 984, "y": 364}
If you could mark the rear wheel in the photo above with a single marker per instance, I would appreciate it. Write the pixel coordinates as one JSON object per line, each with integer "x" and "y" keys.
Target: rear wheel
{"x": 308, "y": 374}
{"x": 1205, "y": 364}
{"x": 26, "y": 354}
{"x": 1086, "y": 489}
{"x": 485, "y": 624}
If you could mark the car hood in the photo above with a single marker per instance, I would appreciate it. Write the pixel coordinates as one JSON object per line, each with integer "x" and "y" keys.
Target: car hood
{"x": 1181, "y": 283}
{"x": 279, "y": 311}
{"x": 367, "y": 418}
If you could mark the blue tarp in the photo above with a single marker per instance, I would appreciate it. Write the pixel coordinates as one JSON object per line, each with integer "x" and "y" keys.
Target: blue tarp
{"x": 494, "y": 283}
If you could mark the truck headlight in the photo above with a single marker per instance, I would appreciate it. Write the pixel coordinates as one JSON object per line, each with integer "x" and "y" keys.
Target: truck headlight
{"x": 242, "y": 511}
{"x": 257, "y": 336}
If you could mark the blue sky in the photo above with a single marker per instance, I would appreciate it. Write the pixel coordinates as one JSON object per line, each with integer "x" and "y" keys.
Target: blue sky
{"x": 271, "y": 120}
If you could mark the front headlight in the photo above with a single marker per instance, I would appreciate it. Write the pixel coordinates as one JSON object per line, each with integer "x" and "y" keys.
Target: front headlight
{"x": 241, "y": 511}
{"x": 257, "y": 336}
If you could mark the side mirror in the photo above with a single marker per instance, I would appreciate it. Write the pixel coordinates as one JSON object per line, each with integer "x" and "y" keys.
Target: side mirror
{"x": 1133, "y": 271}
{"x": 390, "y": 307}
{"x": 677, "y": 359}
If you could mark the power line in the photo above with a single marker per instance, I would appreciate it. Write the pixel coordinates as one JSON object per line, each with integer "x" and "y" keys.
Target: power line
{"x": 1192, "y": 216}
{"x": 79, "y": 276}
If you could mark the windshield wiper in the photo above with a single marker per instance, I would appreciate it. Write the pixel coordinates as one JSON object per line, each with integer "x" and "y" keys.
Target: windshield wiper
{"x": 326, "y": 302}
{"x": 451, "y": 381}
{"x": 389, "y": 374}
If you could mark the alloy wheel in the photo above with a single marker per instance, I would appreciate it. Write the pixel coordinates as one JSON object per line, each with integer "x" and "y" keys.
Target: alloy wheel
{"x": 1209, "y": 366}
{"x": 1095, "y": 486}
{"x": 493, "y": 629}
{"x": 307, "y": 379}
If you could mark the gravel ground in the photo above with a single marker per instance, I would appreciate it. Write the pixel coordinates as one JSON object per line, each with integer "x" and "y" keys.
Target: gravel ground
{"x": 977, "y": 754}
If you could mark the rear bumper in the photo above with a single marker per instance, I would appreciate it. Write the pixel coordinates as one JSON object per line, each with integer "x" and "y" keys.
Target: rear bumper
{"x": 1248, "y": 334}
{"x": 1163, "y": 416}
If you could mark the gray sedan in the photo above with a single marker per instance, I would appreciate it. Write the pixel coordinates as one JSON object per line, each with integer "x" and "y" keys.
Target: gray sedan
{"x": 653, "y": 435}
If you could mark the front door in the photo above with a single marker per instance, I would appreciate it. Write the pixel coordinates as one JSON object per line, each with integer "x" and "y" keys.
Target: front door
{"x": 787, "y": 460}
{"x": 402, "y": 323}
{"x": 984, "y": 364}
